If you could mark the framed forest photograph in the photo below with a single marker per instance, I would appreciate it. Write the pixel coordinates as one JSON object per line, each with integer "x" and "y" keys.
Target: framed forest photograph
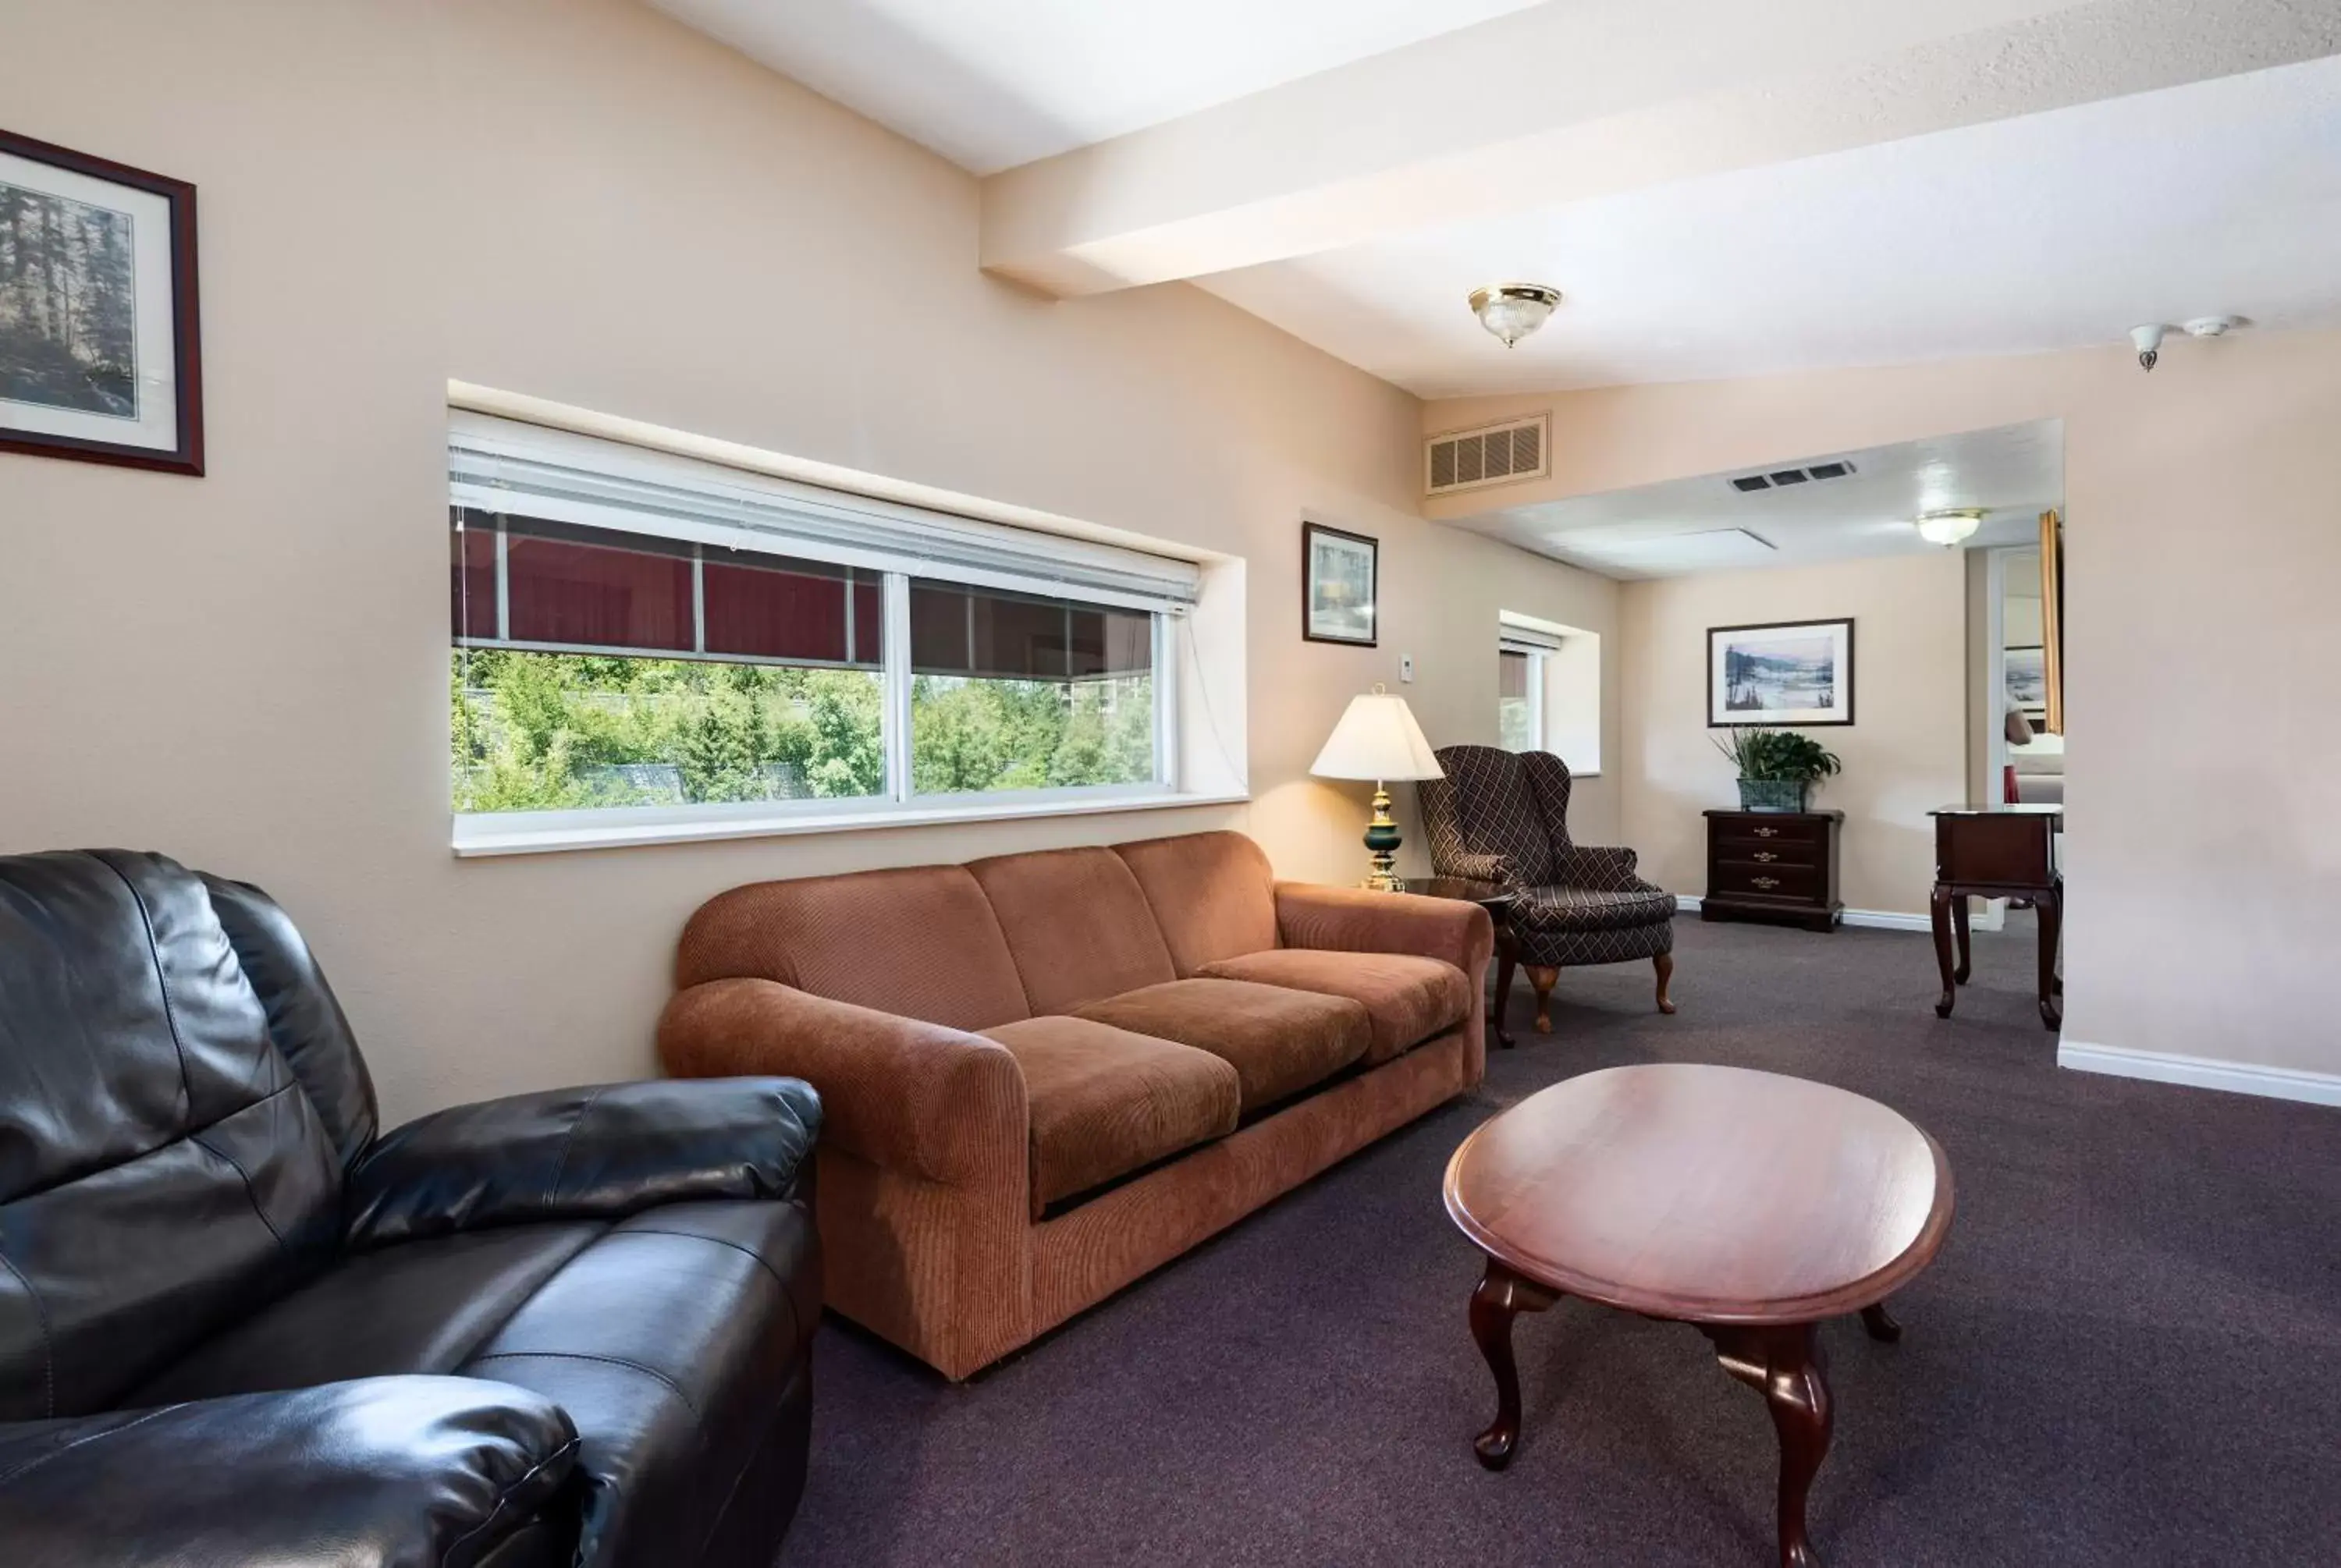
{"x": 99, "y": 358}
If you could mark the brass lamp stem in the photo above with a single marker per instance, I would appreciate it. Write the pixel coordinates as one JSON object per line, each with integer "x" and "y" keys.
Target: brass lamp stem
{"x": 1382, "y": 841}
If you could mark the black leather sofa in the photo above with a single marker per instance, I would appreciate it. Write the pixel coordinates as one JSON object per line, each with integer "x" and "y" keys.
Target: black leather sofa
{"x": 238, "y": 1326}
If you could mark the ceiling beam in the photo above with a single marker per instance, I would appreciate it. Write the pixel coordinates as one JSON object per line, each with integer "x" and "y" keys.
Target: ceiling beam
{"x": 1577, "y": 98}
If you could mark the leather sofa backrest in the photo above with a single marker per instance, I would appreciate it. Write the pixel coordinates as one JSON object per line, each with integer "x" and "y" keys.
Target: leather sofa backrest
{"x": 1077, "y": 925}
{"x": 163, "y": 1168}
{"x": 1486, "y": 806}
{"x": 1213, "y": 895}
{"x": 920, "y": 941}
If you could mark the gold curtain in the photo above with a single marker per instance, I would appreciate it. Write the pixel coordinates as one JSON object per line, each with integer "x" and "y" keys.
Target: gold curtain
{"x": 2052, "y": 619}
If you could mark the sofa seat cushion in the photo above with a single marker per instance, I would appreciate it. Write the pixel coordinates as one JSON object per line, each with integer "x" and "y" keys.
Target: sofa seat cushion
{"x": 1105, "y": 1102}
{"x": 1279, "y": 1041}
{"x": 1407, "y": 998}
{"x": 671, "y": 1338}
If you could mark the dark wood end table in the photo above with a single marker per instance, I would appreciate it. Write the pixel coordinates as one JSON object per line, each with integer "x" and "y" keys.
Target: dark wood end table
{"x": 1996, "y": 852}
{"x": 1498, "y": 900}
{"x": 1751, "y": 1206}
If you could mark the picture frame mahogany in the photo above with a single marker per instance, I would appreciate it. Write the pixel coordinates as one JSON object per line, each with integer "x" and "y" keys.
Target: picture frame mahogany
{"x": 186, "y": 318}
{"x": 1308, "y": 532}
{"x": 1844, "y": 621}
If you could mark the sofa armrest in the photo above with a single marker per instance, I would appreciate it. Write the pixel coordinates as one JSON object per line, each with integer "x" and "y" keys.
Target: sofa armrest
{"x": 403, "y": 1472}
{"x": 1605, "y": 868}
{"x": 599, "y": 1153}
{"x": 899, "y": 1093}
{"x": 1353, "y": 920}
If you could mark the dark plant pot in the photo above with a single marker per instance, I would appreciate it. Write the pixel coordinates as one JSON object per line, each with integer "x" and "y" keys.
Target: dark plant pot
{"x": 1773, "y": 794}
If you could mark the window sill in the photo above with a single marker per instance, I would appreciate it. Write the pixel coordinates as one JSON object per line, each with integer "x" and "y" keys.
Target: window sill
{"x": 475, "y": 837}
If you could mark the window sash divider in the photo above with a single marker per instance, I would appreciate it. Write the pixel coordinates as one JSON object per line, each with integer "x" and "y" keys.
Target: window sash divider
{"x": 895, "y": 660}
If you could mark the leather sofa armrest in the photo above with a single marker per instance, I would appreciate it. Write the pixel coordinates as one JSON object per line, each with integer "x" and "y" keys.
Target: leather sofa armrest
{"x": 402, "y": 1471}
{"x": 1353, "y": 920}
{"x": 595, "y": 1153}
{"x": 1604, "y": 869}
{"x": 899, "y": 1093}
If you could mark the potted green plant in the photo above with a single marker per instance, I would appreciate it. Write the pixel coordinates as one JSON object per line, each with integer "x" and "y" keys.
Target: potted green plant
{"x": 1778, "y": 767}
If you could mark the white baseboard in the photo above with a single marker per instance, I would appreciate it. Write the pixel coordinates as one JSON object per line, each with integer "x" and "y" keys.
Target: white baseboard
{"x": 1882, "y": 919}
{"x": 1887, "y": 920}
{"x": 2202, "y": 1073}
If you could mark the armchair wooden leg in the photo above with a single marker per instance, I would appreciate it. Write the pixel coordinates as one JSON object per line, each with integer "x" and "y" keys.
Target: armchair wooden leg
{"x": 1542, "y": 976}
{"x": 1665, "y": 965}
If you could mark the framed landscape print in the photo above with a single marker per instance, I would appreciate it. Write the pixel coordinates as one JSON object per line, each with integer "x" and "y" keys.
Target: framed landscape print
{"x": 2028, "y": 681}
{"x": 1795, "y": 672}
{"x": 1338, "y": 585}
{"x": 99, "y": 356}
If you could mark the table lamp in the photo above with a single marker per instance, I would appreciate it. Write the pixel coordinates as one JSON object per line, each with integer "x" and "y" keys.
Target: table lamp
{"x": 1377, "y": 738}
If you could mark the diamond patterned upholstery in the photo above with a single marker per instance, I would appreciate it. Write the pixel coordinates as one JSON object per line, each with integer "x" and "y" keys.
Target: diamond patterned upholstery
{"x": 1503, "y": 817}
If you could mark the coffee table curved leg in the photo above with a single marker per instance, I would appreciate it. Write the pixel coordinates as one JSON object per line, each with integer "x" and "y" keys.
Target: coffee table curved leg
{"x": 1785, "y": 1365}
{"x": 1502, "y": 1297}
{"x": 1880, "y": 1323}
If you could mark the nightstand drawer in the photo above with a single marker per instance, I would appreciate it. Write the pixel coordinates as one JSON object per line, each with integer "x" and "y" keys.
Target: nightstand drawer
{"x": 1748, "y": 878}
{"x": 1756, "y": 829}
{"x": 1768, "y": 852}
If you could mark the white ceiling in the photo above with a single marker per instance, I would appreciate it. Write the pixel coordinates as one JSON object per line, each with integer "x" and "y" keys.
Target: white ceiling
{"x": 992, "y": 83}
{"x": 2013, "y": 472}
{"x": 2050, "y": 231}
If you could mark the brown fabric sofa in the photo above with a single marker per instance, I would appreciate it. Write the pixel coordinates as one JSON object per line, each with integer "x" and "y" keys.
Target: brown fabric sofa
{"x": 1044, "y": 1075}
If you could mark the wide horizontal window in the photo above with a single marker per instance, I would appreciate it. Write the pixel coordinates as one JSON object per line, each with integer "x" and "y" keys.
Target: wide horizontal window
{"x": 675, "y": 665}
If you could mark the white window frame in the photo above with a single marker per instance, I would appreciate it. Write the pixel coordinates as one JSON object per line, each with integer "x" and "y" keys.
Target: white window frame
{"x": 502, "y": 467}
{"x": 1536, "y": 654}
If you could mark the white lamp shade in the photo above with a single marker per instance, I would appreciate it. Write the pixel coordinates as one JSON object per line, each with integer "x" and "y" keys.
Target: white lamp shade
{"x": 1377, "y": 739}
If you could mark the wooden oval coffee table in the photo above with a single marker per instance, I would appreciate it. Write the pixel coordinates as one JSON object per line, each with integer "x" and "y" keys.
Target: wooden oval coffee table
{"x": 1747, "y": 1205}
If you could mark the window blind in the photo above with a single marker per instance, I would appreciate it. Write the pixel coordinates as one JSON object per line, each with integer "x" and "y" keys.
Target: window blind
{"x": 506, "y": 468}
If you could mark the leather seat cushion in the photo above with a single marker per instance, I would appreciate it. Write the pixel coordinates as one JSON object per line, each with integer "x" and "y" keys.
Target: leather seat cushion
{"x": 1105, "y": 1102}
{"x": 671, "y": 1339}
{"x": 1407, "y": 997}
{"x": 1586, "y": 909}
{"x": 1279, "y": 1041}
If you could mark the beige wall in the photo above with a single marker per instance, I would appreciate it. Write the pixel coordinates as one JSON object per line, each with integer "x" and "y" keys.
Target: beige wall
{"x": 585, "y": 202}
{"x": 1905, "y": 754}
{"x": 2201, "y": 542}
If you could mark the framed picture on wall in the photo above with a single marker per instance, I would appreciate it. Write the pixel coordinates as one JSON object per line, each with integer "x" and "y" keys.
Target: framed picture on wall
{"x": 99, "y": 354}
{"x": 1338, "y": 585}
{"x": 1795, "y": 672}
{"x": 2028, "y": 681}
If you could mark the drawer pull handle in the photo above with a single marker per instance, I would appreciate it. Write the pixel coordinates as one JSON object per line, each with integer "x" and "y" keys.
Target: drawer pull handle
{"x": 1766, "y": 855}
{"x": 1765, "y": 832}
{"x": 1766, "y": 881}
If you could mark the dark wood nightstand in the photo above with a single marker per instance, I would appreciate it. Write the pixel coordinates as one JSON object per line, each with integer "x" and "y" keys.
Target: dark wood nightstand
{"x": 1773, "y": 865}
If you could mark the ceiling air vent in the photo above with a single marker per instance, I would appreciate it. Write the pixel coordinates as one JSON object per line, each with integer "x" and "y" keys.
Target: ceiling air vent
{"x": 1488, "y": 454}
{"x": 1781, "y": 479}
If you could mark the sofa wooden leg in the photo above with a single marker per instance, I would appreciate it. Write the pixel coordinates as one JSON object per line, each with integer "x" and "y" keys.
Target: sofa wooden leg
{"x": 1542, "y": 976}
{"x": 1665, "y": 965}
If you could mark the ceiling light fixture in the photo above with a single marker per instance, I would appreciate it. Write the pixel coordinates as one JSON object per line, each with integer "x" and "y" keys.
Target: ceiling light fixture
{"x": 1949, "y": 528}
{"x": 1513, "y": 311}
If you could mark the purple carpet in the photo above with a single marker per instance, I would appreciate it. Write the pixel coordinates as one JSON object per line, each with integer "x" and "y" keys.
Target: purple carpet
{"x": 2129, "y": 1353}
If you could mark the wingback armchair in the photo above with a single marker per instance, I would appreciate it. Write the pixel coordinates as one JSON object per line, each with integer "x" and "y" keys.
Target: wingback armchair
{"x": 1502, "y": 817}
{"x": 239, "y": 1325}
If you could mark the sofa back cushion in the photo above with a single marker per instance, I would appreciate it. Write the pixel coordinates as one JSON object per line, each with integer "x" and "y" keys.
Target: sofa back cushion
{"x": 1213, "y": 895}
{"x": 921, "y": 942}
{"x": 1077, "y": 925}
{"x": 163, "y": 1170}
